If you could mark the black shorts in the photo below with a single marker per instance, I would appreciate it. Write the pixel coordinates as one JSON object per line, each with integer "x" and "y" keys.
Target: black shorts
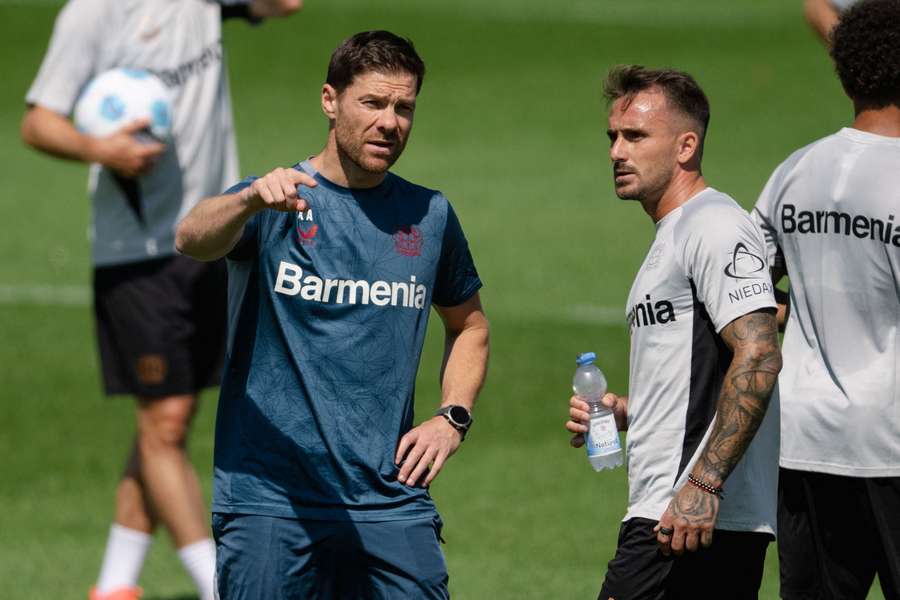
{"x": 731, "y": 567}
{"x": 160, "y": 326}
{"x": 836, "y": 532}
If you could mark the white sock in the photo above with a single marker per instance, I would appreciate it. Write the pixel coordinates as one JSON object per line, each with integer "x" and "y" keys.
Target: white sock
{"x": 124, "y": 557}
{"x": 199, "y": 560}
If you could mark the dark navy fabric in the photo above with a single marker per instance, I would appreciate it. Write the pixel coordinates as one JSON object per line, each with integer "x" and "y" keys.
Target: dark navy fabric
{"x": 327, "y": 317}
{"x": 269, "y": 558}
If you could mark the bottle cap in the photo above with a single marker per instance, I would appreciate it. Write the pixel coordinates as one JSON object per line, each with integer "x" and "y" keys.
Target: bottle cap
{"x": 585, "y": 358}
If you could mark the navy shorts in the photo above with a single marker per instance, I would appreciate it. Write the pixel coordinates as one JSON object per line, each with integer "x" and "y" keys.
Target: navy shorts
{"x": 271, "y": 558}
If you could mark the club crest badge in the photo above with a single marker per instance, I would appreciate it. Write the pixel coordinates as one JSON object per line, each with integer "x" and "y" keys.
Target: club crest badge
{"x": 408, "y": 240}
{"x": 653, "y": 259}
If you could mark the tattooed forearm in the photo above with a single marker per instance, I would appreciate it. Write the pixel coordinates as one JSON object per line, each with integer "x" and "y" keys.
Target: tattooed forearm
{"x": 745, "y": 394}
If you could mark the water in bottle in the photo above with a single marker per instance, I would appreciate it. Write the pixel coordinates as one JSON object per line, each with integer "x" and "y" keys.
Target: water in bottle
{"x": 602, "y": 440}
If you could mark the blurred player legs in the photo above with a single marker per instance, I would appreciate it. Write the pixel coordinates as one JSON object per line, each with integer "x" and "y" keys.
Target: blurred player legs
{"x": 160, "y": 317}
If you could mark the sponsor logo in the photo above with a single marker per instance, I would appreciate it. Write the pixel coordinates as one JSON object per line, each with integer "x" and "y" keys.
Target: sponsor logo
{"x": 290, "y": 281}
{"x": 839, "y": 223}
{"x": 306, "y": 233}
{"x": 408, "y": 240}
{"x": 749, "y": 291}
{"x": 648, "y": 312}
{"x": 211, "y": 55}
{"x": 744, "y": 264}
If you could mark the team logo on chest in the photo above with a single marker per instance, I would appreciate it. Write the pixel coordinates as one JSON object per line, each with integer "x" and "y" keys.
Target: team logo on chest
{"x": 306, "y": 229}
{"x": 654, "y": 258}
{"x": 408, "y": 240}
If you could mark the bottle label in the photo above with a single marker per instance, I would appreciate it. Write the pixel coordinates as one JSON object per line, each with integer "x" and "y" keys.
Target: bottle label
{"x": 603, "y": 437}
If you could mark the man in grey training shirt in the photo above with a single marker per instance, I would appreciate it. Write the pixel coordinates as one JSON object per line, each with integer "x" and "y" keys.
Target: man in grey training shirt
{"x": 160, "y": 317}
{"x": 702, "y": 448}
{"x": 830, "y": 215}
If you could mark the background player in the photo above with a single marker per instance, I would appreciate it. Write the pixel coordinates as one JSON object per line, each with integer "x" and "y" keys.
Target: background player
{"x": 317, "y": 462}
{"x": 704, "y": 358}
{"x": 160, "y": 317}
{"x": 828, "y": 213}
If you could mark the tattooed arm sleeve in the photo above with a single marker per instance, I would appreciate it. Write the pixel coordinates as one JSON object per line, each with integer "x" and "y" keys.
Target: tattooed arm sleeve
{"x": 753, "y": 338}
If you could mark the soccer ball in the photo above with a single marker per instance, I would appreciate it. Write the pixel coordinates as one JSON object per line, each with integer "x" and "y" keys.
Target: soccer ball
{"x": 117, "y": 97}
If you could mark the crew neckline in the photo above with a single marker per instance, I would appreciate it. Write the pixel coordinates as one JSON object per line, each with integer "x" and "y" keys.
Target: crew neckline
{"x": 867, "y": 137}
{"x": 378, "y": 190}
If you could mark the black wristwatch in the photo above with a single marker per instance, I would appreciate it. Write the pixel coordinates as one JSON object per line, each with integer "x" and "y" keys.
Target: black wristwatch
{"x": 458, "y": 416}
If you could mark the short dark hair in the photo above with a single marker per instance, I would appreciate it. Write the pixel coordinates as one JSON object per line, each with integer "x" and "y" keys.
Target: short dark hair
{"x": 379, "y": 51}
{"x": 680, "y": 89}
{"x": 866, "y": 52}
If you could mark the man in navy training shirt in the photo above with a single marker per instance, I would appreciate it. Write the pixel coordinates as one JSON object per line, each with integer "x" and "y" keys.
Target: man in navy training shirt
{"x": 333, "y": 265}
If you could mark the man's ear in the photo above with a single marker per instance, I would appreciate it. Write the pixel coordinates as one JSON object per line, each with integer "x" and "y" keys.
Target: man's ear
{"x": 329, "y": 101}
{"x": 688, "y": 147}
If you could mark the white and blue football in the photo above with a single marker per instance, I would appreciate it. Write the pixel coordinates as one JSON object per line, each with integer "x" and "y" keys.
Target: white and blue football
{"x": 119, "y": 96}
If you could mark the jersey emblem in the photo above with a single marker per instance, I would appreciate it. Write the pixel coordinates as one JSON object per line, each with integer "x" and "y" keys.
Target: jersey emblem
{"x": 654, "y": 258}
{"x": 408, "y": 240}
{"x": 744, "y": 264}
{"x": 306, "y": 229}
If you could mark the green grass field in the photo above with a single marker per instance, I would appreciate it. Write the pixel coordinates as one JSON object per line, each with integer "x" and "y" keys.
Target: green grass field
{"x": 511, "y": 126}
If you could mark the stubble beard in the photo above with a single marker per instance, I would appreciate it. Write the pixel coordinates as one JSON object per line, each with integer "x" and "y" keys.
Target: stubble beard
{"x": 351, "y": 148}
{"x": 644, "y": 189}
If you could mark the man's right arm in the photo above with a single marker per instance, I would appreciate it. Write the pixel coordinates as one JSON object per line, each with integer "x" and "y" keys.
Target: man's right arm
{"x": 215, "y": 225}
{"x": 54, "y": 134}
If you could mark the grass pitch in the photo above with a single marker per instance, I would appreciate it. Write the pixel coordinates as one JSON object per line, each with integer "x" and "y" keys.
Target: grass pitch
{"x": 511, "y": 127}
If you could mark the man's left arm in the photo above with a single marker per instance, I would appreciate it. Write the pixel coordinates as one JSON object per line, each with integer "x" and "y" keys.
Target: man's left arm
{"x": 742, "y": 403}
{"x": 427, "y": 447}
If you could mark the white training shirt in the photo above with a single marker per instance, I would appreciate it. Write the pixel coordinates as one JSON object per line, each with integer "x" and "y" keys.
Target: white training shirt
{"x": 180, "y": 41}
{"x": 831, "y": 213}
{"x": 705, "y": 269}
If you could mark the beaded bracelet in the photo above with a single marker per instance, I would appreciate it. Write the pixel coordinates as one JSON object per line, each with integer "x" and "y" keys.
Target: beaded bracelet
{"x": 710, "y": 489}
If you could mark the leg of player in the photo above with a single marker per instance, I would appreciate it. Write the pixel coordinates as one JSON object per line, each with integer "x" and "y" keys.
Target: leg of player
{"x": 129, "y": 537}
{"x": 171, "y": 483}
{"x": 133, "y": 508}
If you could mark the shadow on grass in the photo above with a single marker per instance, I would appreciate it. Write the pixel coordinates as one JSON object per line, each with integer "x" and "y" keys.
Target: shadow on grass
{"x": 179, "y": 597}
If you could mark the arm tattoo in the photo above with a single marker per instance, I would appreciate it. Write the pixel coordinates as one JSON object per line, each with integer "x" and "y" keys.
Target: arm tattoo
{"x": 745, "y": 394}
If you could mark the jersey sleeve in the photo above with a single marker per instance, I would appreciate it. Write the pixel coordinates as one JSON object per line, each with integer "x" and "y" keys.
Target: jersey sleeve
{"x": 763, "y": 215}
{"x": 457, "y": 279}
{"x": 72, "y": 56}
{"x": 247, "y": 247}
{"x": 724, "y": 257}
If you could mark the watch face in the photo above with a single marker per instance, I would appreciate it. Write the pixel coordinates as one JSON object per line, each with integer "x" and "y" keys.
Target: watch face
{"x": 460, "y": 416}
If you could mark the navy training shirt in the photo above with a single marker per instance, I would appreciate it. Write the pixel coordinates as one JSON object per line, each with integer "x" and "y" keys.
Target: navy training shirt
{"x": 327, "y": 317}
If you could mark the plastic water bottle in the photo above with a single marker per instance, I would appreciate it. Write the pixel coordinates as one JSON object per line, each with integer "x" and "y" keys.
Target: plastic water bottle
{"x": 602, "y": 439}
